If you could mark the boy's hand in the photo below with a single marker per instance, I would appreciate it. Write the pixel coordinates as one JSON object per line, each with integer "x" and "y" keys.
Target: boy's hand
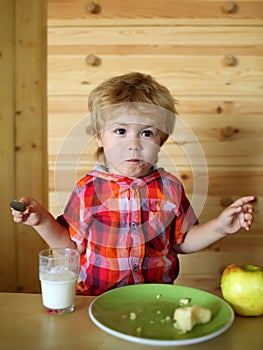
{"x": 237, "y": 215}
{"x": 31, "y": 214}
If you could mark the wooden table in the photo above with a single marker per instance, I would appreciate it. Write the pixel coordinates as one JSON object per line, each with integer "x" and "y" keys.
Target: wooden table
{"x": 24, "y": 325}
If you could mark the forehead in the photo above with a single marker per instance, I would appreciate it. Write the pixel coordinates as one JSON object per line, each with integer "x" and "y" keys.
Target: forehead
{"x": 138, "y": 113}
{"x": 130, "y": 119}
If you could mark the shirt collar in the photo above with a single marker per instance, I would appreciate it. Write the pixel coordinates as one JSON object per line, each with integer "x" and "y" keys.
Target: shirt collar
{"x": 101, "y": 172}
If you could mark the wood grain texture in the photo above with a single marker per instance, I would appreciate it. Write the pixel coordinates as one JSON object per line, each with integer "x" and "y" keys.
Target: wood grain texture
{"x": 183, "y": 75}
{"x": 8, "y": 271}
{"x": 186, "y": 12}
{"x": 23, "y": 149}
{"x": 31, "y": 129}
{"x": 155, "y": 39}
{"x": 212, "y": 63}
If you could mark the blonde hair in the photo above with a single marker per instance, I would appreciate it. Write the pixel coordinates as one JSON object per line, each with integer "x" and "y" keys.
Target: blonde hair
{"x": 135, "y": 91}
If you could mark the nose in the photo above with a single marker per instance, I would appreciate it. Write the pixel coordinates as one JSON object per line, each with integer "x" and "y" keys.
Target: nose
{"x": 134, "y": 144}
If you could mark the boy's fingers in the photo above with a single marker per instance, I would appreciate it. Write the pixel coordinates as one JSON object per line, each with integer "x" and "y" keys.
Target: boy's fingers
{"x": 243, "y": 200}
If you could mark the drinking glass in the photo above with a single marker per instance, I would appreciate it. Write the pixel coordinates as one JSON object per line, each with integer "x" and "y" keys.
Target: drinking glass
{"x": 58, "y": 274}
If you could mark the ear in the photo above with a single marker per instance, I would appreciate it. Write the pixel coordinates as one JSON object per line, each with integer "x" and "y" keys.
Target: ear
{"x": 98, "y": 141}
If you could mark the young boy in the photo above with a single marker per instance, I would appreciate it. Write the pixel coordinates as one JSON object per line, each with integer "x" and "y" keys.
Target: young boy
{"x": 128, "y": 218}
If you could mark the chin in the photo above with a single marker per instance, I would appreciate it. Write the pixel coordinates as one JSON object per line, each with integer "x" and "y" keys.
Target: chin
{"x": 133, "y": 173}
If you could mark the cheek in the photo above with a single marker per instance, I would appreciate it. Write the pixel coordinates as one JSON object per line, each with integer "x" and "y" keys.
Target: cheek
{"x": 113, "y": 149}
{"x": 151, "y": 151}
{"x": 106, "y": 142}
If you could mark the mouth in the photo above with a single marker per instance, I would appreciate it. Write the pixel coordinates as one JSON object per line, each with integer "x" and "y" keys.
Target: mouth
{"x": 134, "y": 161}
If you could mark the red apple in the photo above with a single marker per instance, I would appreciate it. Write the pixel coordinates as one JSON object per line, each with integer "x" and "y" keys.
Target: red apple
{"x": 242, "y": 288}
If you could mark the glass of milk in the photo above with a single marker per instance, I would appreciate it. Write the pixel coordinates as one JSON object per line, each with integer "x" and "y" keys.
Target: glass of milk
{"x": 58, "y": 274}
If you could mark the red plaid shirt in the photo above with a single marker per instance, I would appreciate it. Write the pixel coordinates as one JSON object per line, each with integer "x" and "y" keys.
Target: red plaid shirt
{"x": 129, "y": 228}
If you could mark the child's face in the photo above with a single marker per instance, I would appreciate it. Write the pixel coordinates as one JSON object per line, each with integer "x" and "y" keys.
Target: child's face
{"x": 130, "y": 146}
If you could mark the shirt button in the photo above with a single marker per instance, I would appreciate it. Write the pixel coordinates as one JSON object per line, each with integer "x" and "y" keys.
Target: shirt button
{"x": 135, "y": 267}
{"x": 134, "y": 224}
{"x": 133, "y": 185}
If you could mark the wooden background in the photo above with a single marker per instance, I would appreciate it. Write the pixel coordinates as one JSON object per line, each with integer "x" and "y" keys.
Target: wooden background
{"x": 23, "y": 135}
{"x": 209, "y": 54}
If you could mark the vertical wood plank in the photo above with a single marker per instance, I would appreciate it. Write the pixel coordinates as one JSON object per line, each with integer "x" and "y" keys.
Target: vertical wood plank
{"x": 31, "y": 129}
{"x": 8, "y": 273}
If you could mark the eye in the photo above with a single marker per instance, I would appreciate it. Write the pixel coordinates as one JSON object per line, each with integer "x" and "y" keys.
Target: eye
{"x": 147, "y": 133}
{"x": 120, "y": 131}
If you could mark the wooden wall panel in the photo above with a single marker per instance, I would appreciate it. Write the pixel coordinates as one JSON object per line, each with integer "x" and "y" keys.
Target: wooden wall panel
{"x": 183, "y": 75}
{"x": 168, "y": 40}
{"x": 8, "y": 267}
{"x": 30, "y": 130}
{"x": 187, "y": 12}
{"x": 212, "y": 63}
{"x": 23, "y": 141}
{"x": 204, "y": 269}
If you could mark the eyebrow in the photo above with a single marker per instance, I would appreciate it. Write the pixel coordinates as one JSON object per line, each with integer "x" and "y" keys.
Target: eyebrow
{"x": 127, "y": 124}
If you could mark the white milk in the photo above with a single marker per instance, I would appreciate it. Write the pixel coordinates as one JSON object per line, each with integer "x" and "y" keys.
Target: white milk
{"x": 58, "y": 289}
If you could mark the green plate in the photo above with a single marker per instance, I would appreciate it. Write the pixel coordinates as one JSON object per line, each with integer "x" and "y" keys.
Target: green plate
{"x": 154, "y": 305}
